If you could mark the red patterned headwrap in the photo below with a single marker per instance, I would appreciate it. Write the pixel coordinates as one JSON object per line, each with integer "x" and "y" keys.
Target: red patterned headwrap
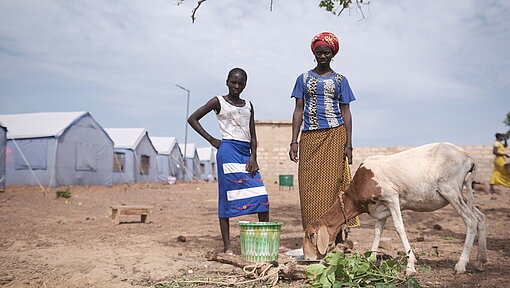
{"x": 327, "y": 39}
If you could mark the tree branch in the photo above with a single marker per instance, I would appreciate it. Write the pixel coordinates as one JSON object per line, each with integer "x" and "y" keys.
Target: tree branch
{"x": 195, "y": 10}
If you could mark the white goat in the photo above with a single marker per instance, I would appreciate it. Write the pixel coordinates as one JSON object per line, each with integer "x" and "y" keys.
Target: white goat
{"x": 422, "y": 179}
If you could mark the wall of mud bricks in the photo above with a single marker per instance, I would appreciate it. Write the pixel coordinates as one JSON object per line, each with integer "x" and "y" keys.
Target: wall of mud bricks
{"x": 273, "y": 152}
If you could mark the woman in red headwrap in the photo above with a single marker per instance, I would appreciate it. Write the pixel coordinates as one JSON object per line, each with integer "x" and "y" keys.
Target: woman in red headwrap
{"x": 323, "y": 117}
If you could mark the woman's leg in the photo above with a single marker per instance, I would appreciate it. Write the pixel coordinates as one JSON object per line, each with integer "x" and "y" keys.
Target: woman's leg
{"x": 225, "y": 234}
{"x": 263, "y": 216}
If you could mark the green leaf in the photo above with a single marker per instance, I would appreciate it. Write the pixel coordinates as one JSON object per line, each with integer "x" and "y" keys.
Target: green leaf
{"x": 328, "y": 276}
{"x": 391, "y": 263}
{"x": 334, "y": 258}
{"x": 361, "y": 268}
{"x": 412, "y": 283}
{"x": 368, "y": 253}
{"x": 355, "y": 270}
{"x": 314, "y": 270}
{"x": 372, "y": 258}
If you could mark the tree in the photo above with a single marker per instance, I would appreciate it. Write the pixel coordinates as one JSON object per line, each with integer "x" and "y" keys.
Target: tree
{"x": 336, "y": 7}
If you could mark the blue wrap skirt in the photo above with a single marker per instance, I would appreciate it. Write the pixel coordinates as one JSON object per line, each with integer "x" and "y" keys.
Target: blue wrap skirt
{"x": 239, "y": 193}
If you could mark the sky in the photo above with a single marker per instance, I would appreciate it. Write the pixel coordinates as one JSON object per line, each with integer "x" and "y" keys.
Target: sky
{"x": 422, "y": 71}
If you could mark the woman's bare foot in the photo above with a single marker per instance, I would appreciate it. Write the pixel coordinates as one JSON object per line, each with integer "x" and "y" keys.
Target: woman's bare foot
{"x": 229, "y": 252}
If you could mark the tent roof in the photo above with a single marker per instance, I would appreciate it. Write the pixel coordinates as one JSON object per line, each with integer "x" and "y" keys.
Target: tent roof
{"x": 3, "y": 126}
{"x": 205, "y": 153}
{"x": 37, "y": 125}
{"x": 126, "y": 138}
{"x": 163, "y": 145}
{"x": 190, "y": 150}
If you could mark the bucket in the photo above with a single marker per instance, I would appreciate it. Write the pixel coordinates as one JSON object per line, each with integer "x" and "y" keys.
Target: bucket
{"x": 260, "y": 241}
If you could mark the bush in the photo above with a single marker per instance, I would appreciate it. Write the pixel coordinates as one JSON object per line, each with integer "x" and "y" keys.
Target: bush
{"x": 64, "y": 193}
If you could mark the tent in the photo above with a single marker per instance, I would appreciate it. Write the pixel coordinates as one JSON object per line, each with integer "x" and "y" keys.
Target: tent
{"x": 170, "y": 161}
{"x": 134, "y": 156}
{"x": 3, "y": 143}
{"x": 207, "y": 159}
{"x": 56, "y": 149}
{"x": 191, "y": 161}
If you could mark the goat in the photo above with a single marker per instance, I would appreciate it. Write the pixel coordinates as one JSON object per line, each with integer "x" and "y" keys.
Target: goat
{"x": 423, "y": 179}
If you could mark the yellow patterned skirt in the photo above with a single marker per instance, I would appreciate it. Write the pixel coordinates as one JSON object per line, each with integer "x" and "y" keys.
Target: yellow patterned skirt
{"x": 500, "y": 175}
{"x": 323, "y": 171}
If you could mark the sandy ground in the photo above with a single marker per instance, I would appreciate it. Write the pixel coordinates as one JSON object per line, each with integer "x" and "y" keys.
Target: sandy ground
{"x": 49, "y": 242}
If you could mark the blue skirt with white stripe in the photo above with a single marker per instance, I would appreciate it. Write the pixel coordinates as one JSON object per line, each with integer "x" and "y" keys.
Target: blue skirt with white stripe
{"x": 239, "y": 194}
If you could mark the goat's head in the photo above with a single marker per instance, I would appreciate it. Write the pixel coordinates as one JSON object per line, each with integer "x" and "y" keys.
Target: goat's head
{"x": 317, "y": 241}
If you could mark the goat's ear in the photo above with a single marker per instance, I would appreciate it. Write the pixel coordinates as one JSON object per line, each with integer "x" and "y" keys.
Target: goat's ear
{"x": 322, "y": 240}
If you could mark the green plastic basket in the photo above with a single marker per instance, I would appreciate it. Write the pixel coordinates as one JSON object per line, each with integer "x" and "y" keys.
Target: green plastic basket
{"x": 260, "y": 241}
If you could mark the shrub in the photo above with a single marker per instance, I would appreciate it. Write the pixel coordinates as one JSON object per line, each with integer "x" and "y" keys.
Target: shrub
{"x": 64, "y": 193}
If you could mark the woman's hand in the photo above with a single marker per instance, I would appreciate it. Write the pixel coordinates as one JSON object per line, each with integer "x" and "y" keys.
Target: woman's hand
{"x": 348, "y": 154}
{"x": 293, "y": 153}
{"x": 252, "y": 166}
{"x": 215, "y": 143}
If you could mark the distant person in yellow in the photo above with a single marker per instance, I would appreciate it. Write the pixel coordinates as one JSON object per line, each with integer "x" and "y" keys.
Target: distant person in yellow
{"x": 500, "y": 175}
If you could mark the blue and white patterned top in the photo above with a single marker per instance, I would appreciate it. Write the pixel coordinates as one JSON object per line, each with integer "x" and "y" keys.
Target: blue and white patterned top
{"x": 323, "y": 96}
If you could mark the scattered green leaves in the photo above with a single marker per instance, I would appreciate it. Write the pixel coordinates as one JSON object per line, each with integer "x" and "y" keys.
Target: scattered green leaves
{"x": 337, "y": 270}
{"x": 449, "y": 238}
{"x": 64, "y": 193}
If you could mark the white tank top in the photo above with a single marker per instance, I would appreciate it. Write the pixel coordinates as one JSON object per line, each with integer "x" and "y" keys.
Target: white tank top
{"x": 234, "y": 121}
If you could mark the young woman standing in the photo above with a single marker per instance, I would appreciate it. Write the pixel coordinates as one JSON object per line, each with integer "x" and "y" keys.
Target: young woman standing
{"x": 322, "y": 115}
{"x": 241, "y": 190}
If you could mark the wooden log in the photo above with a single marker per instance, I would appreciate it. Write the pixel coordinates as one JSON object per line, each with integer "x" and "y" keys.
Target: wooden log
{"x": 289, "y": 269}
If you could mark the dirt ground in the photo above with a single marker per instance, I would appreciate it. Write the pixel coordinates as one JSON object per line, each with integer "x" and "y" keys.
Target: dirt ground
{"x": 49, "y": 242}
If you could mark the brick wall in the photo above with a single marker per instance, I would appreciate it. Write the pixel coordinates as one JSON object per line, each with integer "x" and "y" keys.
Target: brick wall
{"x": 273, "y": 152}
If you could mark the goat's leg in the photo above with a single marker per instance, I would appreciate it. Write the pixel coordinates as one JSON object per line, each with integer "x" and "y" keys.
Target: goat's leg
{"x": 454, "y": 196}
{"x": 396, "y": 214}
{"x": 481, "y": 227}
{"x": 482, "y": 239}
{"x": 379, "y": 228}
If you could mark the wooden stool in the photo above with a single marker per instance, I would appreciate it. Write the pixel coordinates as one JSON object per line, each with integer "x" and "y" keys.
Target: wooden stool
{"x": 143, "y": 211}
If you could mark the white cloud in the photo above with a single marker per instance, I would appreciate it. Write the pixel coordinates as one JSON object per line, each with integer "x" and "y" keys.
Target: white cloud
{"x": 442, "y": 66}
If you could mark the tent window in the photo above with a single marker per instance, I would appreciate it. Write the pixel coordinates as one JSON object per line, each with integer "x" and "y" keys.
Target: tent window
{"x": 35, "y": 151}
{"x": 86, "y": 157}
{"x": 202, "y": 168}
{"x": 145, "y": 165}
{"x": 118, "y": 161}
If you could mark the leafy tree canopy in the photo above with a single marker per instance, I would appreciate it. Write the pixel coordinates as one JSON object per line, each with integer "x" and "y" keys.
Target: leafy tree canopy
{"x": 334, "y": 6}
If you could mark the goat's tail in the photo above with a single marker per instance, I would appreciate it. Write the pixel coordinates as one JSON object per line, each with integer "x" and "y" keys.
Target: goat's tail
{"x": 468, "y": 181}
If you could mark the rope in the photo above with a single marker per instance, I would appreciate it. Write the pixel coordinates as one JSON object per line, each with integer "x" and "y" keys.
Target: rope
{"x": 268, "y": 272}
{"x": 250, "y": 270}
{"x": 342, "y": 205}
{"x": 354, "y": 222}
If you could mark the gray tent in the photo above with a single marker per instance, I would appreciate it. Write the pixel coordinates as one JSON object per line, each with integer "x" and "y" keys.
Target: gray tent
{"x": 57, "y": 149}
{"x": 170, "y": 161}
{"x": 3, "y": 144}
{"x": 134, "y": 157}
{"x": 207, "y": 163}
{"x": 191, "y": 162}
